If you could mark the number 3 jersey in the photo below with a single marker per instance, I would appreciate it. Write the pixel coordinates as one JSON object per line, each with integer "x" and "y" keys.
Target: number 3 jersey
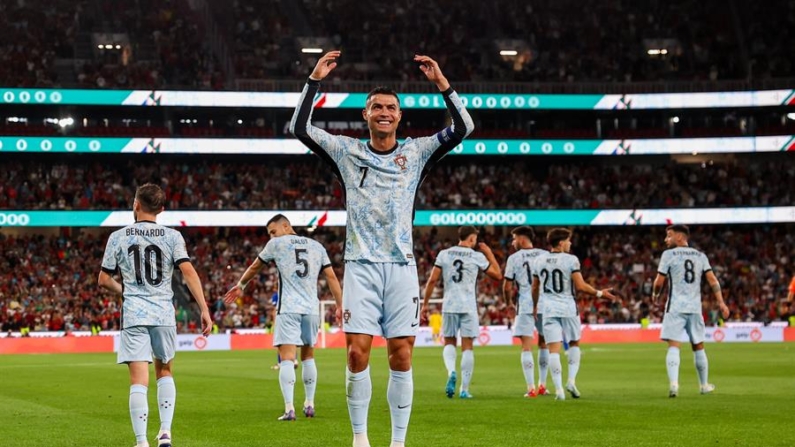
{"x": 145, "y": 254}
{"x": 556, "y": 288}
{"x": 684, "y": 267}
{"x": 460, "y": 267}
{"x": 299, "y": 261}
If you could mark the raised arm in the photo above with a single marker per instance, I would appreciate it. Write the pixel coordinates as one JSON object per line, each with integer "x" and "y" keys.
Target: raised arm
{"x": 237, "y": 290}
{"x": 494, "y": 268}
{"x": 715, "y": 286}
{"x": 320, "y": 142}
{"x": 583, "y": 286}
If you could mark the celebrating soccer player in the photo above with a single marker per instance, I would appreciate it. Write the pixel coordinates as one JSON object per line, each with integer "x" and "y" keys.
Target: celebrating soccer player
{"x": 146, "y": 253}
{"x": 381, "y": 178}
{"x": 684, "y": 267}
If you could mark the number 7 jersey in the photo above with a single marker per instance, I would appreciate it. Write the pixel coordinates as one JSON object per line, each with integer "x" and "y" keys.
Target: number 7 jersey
{"x": 299, "y": 261}
{"x": 145, "y": 254}
{"x": 684, "y": 267}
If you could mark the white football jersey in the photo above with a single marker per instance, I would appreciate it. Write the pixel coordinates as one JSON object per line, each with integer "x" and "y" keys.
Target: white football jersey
{"x": 684, "y": 267}
{"x": 460, "y": 268}
{"x": 519, "y": 269}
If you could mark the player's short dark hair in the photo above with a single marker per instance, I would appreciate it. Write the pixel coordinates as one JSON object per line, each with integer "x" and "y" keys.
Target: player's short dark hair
{"x": 524, "y": 231}
{"x": 382, "y": 90}
{"x": 151, "y": 198}
{"x": 556, "y": 235}
{"x": 278, "y": 218}
{"x": 466, "y": 231}
{"x": 679, "y": 228}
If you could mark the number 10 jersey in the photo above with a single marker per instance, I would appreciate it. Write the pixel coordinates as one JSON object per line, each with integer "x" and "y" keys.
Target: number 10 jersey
{"x": 145, "y": 254}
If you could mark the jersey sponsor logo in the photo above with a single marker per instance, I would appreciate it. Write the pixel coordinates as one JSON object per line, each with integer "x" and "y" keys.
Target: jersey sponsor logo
{"x": 401, "y": 161}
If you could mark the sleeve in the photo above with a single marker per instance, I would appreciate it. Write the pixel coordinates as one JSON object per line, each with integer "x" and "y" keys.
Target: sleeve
{"x": 109, "y": 262}
{"x": 267, "y": 254}
{"x": 433, "y": 148}
{"x": 707, "y": 266}
{"x": 483, "y": 261}
{"x": 509, "y": 269}
{"x": 324, "y": 259}
{"x": 439, "y": 262}
{"x": 328, "y": 147}
{"x": 180, "y": 252}
{"x": 665, "y": 263}
{"x": 575, "y": 264}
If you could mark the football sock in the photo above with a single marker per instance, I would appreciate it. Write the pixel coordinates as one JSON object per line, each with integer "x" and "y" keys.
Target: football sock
{"x": 543, "y": 365}
{"x": 309, "y": 375}
{"x": 467, "y": 368}
{"x": 556, "y": 370}
{"x": 139, "y": 411}
{"x": 574, "y": 362}
{"x": 529, "y": 369}
{"x": 359, "y": 388}
{"x": 287, "y": 383}
{"x": 449, "y": 355}
{"x": 672, "y": 363}
{"x": 166, "y": 399}
{"x": 400, "y": 394}
{"x": 702, "y": 366}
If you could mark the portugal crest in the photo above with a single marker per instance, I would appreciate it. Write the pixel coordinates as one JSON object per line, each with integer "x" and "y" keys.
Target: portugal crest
{"x": 401, "y": 161}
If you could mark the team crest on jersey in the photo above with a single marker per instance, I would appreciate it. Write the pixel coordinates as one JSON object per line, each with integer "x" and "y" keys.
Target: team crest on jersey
{"x": 346, "y": 316}
{"x": 401, "y": 161}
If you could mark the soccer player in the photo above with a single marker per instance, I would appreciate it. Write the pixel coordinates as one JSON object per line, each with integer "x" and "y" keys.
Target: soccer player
{"x": 519, "y": 271}
{"x": 145, "y": 254}
{"x": 381, "y": 294}
{"x": 459, "y": 267}
{"x": 299, "y": 261}
{"x": 684, "y": 267}
{"x": 556, "y": 279}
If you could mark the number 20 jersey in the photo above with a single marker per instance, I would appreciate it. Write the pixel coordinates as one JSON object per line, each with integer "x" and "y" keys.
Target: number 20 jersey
{"x": 460, "y": 267}
{"x": 145, "y": 254}
{"x": 556, "y": 288}
{"x": 299, "y": 261}
{"x": 684, "y": 267}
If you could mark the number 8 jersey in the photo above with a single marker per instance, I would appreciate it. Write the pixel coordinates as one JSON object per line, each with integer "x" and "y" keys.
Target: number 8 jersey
{"x": 684, "y": 267}
{"x": 556, "y": 289}
{"x": 145, "y": 254}
{"x": 299, "y": 261}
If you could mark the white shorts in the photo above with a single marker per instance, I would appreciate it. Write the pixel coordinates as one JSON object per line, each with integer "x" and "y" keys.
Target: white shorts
{"x": 683, "y": 327}
{"x": 141, "y": 343}
{"x": 524, "y": 325}
{"x": 296, "y": 329}
{"x": 454, "y": 322}
{"x": 556, "y": 328}
{"x": 381, "y": 299}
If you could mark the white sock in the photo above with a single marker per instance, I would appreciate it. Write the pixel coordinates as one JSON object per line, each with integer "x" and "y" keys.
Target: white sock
{"x": 287, "y": 383}
{"x": 467, "y": 368}
{"x": 166, "y": 399}
{"x": 574, "y": 363}
{"x": 529, "y": 369}
{"x": 449, "y": 356}
{"x": 359, "y": 389}
{"x": 139, "y": 411}
{"x": 400, "y": 394}
{"x": 309, "y": 375}
{"x": 543, "y": 366}
{"x": 672, "y": 363}
{"x": 557, "y": 371}
{"x": 702, "y": 366}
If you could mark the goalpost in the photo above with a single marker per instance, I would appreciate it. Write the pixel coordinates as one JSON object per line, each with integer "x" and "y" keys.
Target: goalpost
{"x": 325, "y": 304}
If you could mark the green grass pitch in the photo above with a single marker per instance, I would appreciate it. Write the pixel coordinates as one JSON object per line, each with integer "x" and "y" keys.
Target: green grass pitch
{"x": 233, "y": 399}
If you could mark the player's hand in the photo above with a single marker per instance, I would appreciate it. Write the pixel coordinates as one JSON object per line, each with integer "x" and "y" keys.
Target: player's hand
{"x": 483, "y": 247}
{"x": 233, "y": 294}
{"x": 607, "y": 293}
{"x": 724, "y": 310}
{"x": 424, "y": 312}
{"x": 338, "y": 316}
{"x": 207, "y": 324}
{"x": 324, "y": 66}
{"x": 432, "y": 71}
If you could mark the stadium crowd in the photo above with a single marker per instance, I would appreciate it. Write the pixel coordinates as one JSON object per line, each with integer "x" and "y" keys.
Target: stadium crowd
{"x": 606, "y": 43}
{"x": 75, "y": 183}
{"x": 49, "y": 282}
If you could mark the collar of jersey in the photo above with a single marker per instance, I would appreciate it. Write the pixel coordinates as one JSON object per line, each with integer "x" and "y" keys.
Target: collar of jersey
{"x": 145, "y": 221}
{"x": 372, "y": 149}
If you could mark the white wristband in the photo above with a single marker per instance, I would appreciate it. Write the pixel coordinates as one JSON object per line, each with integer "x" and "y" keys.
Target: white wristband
{"x": 599, "y": 293}
{"x": 241, "y": 285}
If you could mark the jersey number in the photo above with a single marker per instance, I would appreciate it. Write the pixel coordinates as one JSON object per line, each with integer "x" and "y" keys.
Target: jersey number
{"x": 557, "y": 281}
{"x": 690, "y": 271}
{"x": 459, "y": 270}
{"x": 363, "y": 170}
{"x": 152, "y": 277}
{"x": 529, "y": 275}
{"x": 302, "y": 262}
